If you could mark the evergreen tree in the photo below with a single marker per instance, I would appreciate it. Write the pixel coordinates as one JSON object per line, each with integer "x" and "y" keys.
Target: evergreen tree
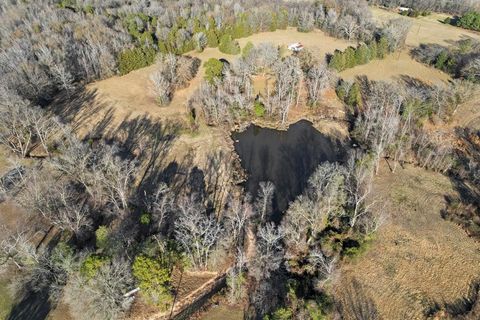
{"x": 362, "y": 55}
{"x": 354, "y": 96}
{"x": 349, "y": 57}
{"x": 382, "y": 48}
{"x": 213, "y": 69}
{"x": 212, "y": 39}
{"x": 228, "y": 45}
{"x": 373, "y": 51}
{"x": 337, "y": 61}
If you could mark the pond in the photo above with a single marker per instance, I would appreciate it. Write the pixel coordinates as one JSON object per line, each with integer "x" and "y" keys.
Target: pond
{"x": 286, "y": 158}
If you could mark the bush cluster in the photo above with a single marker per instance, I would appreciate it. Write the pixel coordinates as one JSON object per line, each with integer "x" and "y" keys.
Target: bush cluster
{"x": 415, "y": 13}
{"x": 470, "y": 20}
{"x": 135, "y": 58}
{"x": 461, "y": 60}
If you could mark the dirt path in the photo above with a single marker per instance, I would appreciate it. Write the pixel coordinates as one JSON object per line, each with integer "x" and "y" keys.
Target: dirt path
{"x": 418, "y": 258}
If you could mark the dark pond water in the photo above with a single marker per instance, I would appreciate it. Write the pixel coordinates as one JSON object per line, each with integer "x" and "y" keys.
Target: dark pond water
{"x": 286, "y": 158}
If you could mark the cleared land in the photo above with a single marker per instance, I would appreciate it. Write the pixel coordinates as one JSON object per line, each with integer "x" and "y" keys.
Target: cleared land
{"x": 424, "y": 30}
{"x": 418, "y": 258}
{"x": 129, "y": 96}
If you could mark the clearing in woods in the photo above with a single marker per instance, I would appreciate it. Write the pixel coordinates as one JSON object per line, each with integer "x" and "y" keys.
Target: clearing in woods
{"x": 424, "y": 30}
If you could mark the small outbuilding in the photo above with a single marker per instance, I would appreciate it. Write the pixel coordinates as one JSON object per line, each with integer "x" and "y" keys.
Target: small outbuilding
{"x": 295, "y": 47}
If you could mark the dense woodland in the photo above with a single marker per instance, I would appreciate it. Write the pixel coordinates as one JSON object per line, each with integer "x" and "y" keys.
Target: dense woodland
{"x": 122, "y": 223}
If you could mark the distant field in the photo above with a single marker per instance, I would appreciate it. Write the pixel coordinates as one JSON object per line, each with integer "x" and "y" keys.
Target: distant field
{"x": 396, "y": 66}
{"x": 427, "y": 29}
{"x": 424, "y": 30}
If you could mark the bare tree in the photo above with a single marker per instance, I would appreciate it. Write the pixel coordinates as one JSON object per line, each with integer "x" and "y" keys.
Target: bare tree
{"x": 105, "y": 176}
{"x": 378, "y": 124}
{"x": 23, "y": 126}
{"x": 237, "y": 214}
{"x": 287, "y": 80}
{"x": 358, "y": 185}
{"x": 57, "y": 202}
{"x": 236, "y": 279}
{"x": 103, "y": 296}
{"x": 396, "y": 32}
{"x": 269, "y": 252}
{"x": 196, "y": 232}
{"x": 325, "y": 266}
{"x": 200, "y": 40}
{"x": 349, "y": 27}
{"x": 263, "y": 202}
{"x": 319, "y": 77}
{"x": 307, "y": 216}
{"x": 117, "y": 177}
{"x": 162, "y": 87}
{"x": 160, "y": 205}
{"x": 17, "y": 246}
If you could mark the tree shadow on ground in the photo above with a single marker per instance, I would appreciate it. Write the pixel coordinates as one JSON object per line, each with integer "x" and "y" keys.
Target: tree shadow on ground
{"x": 464, "y": 208}
{"x": 32, "y": 306}
{"x": 355, "y": 304}
{"x": 80, "y": 108}
{"x": 463, "y": 308}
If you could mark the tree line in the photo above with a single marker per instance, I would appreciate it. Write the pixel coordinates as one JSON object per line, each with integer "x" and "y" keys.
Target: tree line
{"x": 461, "y": 59}
{"x": 389, "y": 39}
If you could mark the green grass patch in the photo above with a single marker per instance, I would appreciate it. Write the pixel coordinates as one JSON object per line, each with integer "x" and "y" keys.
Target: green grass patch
{"x": 6, "y": 300}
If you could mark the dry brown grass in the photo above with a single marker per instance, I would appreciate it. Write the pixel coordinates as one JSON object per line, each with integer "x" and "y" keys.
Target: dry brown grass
{"x": 417, "y": 258}
{"x": 130, "y": 96}
{"x": 424, "y": 30}
{"x": 427, "y": 29}
{"x": 394, "y": 66}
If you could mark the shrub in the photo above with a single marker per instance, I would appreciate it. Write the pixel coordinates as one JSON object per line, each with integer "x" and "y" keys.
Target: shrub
{"x": 280, "y": 314}
{"x": 101, "y": 237}
{"x": 153, "y": 280}
{"x": 441, "y": 59}
{"x": 91, "y": 265}
{"x": 228, "y": 45}
{"x": 246, "y": 50}
{"x": 145, "y": 218}
{"x": 470, "y": 20}
{"x": 259, "y": 109}
{"x": 136, "y": 58}
{"x": 213, "y": 69}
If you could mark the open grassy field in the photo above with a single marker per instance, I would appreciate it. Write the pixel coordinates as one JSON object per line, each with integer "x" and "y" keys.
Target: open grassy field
{"x": 424, "y": 30}
{"x": 418, "y": 258}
